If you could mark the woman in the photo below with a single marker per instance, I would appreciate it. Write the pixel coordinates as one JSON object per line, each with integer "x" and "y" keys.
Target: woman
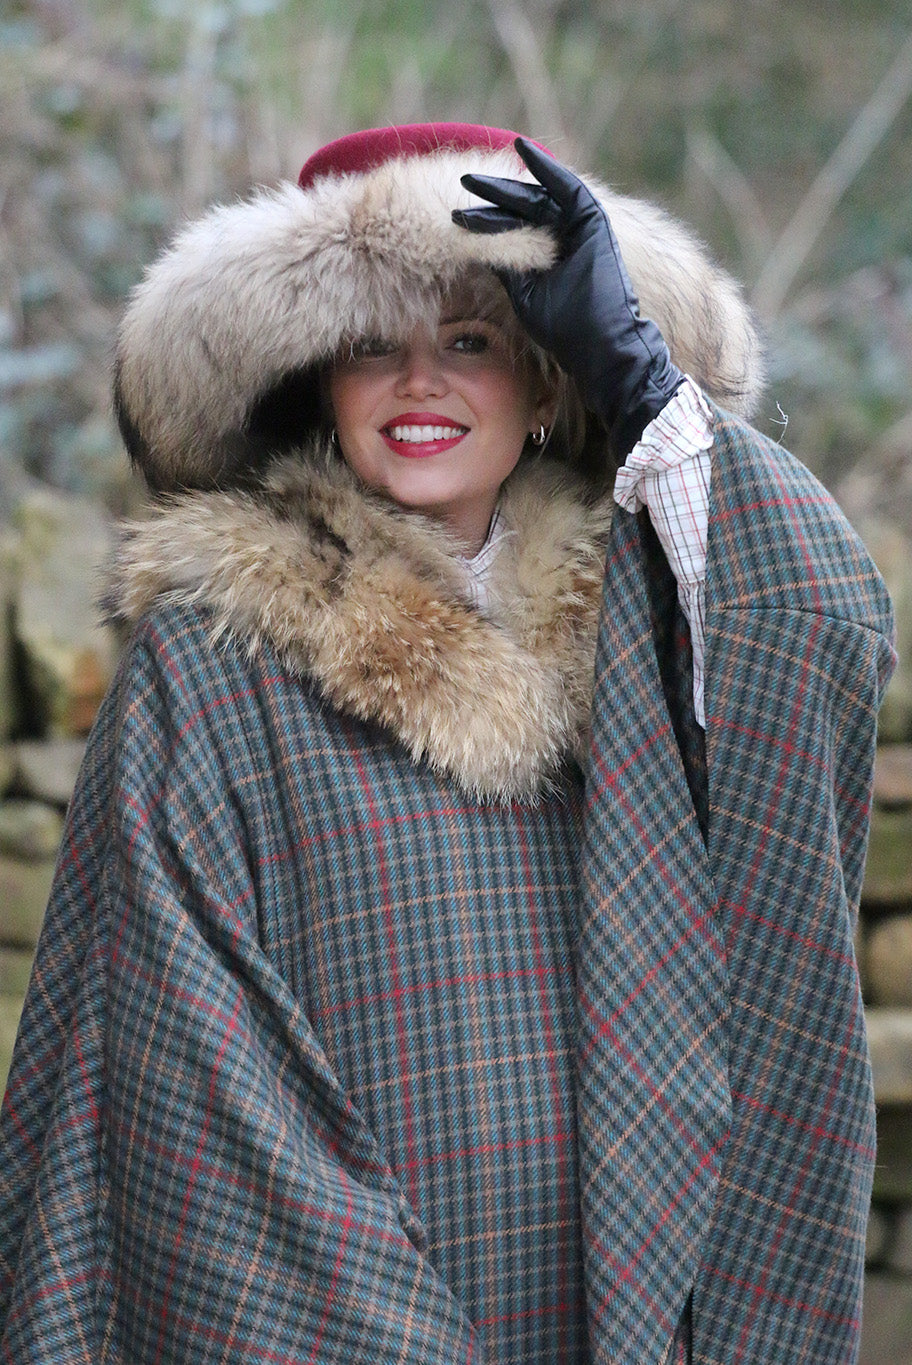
{"x": 410, "y": 989}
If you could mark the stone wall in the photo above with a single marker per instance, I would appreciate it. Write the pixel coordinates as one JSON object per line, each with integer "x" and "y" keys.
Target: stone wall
{"x": 56, "y": 662}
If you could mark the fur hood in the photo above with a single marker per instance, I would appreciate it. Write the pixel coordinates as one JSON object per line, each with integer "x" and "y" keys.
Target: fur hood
{"x": 372, "y": 604}
{"x": 219, "y": 342}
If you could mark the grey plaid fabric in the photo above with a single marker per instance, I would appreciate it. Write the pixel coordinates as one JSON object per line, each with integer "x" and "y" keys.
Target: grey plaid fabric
{"x": 296, "y": 1076}
{"x": 726, "y": 1112}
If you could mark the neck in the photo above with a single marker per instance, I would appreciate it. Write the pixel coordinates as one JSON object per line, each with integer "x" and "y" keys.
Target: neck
{"x": 469, "y": 525}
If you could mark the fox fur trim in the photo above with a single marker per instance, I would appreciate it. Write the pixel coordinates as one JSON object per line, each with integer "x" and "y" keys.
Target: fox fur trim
{"x": 372, "y": 604}
{"x": 260, "y": 291}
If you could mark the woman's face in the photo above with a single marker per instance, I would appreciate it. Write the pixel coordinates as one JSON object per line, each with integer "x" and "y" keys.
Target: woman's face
{"x": 437, "y": 421}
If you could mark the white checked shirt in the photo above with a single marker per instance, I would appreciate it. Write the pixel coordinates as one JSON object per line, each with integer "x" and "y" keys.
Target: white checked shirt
{"x": 668, "y": 472}
{"x": 480, "y": 564}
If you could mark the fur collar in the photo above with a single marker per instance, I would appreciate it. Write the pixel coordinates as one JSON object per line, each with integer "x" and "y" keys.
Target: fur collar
{"x": 372, "y": 604}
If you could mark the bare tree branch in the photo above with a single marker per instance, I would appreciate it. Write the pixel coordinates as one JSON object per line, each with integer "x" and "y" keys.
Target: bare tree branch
{"x": 197, "y": 164}
{"x": 735, "y": 191}
{"x": 322, "y": 62}
{"x": 533, "y": 79}
{"x": 869, "y": 127}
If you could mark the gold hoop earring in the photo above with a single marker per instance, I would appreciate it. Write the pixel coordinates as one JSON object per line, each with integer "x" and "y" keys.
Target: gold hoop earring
{"x": 539, "y": 437}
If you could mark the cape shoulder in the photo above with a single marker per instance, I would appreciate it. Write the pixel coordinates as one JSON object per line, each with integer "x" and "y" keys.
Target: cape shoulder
{"x": 779, "y": 541}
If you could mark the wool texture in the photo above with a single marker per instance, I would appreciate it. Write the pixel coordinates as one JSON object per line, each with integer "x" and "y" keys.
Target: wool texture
{"x": 233, "y": 1130}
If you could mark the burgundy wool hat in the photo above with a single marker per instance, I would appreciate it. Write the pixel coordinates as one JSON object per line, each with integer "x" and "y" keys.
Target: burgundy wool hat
{"x": 365, "y": 150}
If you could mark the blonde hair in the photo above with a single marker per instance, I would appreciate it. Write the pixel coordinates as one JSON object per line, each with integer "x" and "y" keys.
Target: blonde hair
{"x": 480, "y": 293}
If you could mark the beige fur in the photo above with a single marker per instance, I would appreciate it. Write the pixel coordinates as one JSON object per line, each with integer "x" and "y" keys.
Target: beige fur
{"x": 259, "y": 289}
{"x": 371, "y": 603}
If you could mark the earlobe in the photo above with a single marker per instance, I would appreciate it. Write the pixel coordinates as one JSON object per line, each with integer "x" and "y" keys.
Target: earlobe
{"x": 548, "y": 399}
{"x": 546, "y": 410}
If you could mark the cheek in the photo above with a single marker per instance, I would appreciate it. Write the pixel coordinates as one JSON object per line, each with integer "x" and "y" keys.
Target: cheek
{"x": 509, "y": 394}
{"x": 346, "y": 399}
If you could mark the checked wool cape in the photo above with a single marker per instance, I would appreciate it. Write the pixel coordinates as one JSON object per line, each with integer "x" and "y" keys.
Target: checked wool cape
{"x": 327, "y": 1058}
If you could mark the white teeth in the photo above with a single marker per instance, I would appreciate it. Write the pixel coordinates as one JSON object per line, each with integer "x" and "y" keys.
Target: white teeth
{"x": 425, "y": 433}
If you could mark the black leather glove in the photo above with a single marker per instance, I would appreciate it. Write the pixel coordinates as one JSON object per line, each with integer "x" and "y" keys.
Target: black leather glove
{"x": 583, "y": 310}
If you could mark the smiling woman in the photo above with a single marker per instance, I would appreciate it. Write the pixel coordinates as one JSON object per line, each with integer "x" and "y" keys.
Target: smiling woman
{"x": 450, "y": 955}
{"x": 439, "y": 420}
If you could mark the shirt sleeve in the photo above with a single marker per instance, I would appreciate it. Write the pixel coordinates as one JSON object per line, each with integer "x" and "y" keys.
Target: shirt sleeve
{"x": 668, "y": 471}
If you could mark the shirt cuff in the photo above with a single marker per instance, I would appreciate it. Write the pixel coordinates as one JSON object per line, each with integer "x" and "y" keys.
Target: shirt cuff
{"x": 668, "y": 472}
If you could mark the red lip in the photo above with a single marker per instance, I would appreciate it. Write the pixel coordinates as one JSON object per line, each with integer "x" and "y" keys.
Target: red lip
{"x": 422, "y": 419}
{"x": 421, "y": 450}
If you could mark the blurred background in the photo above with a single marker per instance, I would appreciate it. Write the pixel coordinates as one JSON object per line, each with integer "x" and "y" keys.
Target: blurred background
{"x": 781, "y": 132}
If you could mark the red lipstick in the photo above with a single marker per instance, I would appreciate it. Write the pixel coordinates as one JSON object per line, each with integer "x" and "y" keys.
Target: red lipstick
{"x": 420, "y": 442}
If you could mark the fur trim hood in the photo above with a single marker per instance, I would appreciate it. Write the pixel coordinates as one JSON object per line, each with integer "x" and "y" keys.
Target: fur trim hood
{"x": 373, "y": 605}
{"x": 224, "y": 328}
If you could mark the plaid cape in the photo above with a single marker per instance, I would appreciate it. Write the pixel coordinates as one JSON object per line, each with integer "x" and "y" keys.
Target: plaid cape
{"x": 185, "y": 1177}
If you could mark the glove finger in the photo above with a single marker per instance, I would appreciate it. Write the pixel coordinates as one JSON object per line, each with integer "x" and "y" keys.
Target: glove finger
{"x": 490, "y": 220}
{"x": 529, "y": 201}
{"x": 519, "y": 285}
{"x": 562, "y": 185}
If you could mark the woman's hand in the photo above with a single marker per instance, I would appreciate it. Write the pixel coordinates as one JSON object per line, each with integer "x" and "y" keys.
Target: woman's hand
{"x": 583, "y": 310}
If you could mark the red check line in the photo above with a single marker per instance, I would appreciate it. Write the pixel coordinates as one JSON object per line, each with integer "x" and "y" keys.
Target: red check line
{"x": 639, "y": 1289}
{"x": 347, "y": 1224}
{"x": 161, "y": 648}
{"x": 796, "y": 1189}
{"x": 442, "y": 983}
{"x": 764, "y": 504}
{"x": 60, "y": 1286}
{"x": 623, "y": 551}
{"x": 533, "y": 913}
{"x": 483, "y": 1149}
{"x": 815, "y": 1129}
{"x": 225, "y": 1176}
{"x": 775, "y": 742}
{"x": 216, "y": 704}
{"x": 806, "y": 942}
{"x": 75, "y": 858}
{"x": 373, "y": 826}
{"x": 790, "y": 503}
{"x": 181, "y": 994}
{"x": 10, "y": 1109}
{"x": 629, "y": 1057}
{"x": 784, "y": 1299}
{"x": 759, "y": 856}
{"x": 70, "y": 849}
{"x": 766, "y": 824}
{"x": 194, "y": 1172}
{"x": 549, "y": 1311}
{"x": 650, "y": 851}
{"x": 708, "y": 1157}
{"x": 401, "y": 1031}
{"x": 606, "y": 1026}
{"x": 611, "y": 777}
{"x": 84, "y": 1073}
{"x": 200, "y": 1002}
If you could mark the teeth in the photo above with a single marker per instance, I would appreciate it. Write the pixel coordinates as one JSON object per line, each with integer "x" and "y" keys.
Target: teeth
{"x": 416, "y": 434}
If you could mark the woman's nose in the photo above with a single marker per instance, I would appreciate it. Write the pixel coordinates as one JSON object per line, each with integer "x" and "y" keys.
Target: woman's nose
{"x": 421, "y": 371}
